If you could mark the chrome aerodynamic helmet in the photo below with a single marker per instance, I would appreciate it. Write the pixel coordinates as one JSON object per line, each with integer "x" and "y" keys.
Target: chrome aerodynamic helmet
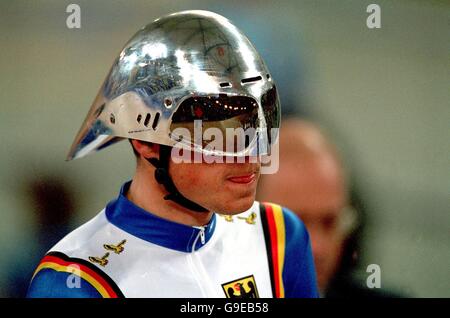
{"x": 184, "y": 68}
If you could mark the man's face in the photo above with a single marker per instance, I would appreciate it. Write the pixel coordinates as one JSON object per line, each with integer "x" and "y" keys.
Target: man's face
{"x": 225, "y": 188}
{"x": 316, "y": 193}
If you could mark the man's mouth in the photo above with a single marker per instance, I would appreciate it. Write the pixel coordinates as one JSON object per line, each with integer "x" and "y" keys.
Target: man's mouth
{"x": 243, "y": 179}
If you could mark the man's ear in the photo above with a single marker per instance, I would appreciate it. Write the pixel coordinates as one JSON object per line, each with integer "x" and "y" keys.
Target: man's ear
{"x": 145, "y": 149}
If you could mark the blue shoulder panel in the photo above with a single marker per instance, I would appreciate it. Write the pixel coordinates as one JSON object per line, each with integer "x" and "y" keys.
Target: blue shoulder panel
{"x": 49, "y": 283}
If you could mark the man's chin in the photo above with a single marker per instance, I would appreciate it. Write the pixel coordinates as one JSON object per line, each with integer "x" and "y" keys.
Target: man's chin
{"x": 240, "y": 206}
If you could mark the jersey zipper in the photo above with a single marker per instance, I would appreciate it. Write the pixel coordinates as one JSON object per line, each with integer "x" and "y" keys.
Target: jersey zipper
{"x": 198, "y": 271}
{"x": 202, "y": 235}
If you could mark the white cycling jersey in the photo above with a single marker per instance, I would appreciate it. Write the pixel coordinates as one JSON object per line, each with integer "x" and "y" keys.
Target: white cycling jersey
{"x": 126, "y": 251}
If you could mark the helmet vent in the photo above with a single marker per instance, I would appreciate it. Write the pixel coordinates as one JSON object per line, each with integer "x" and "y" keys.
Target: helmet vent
{"x": 138, "y": 119}
{"x": 268, "y": 76}
{"x": 99, "y": 110}
{"x": 155, "y": 121}
{"x": 168, "y": 103}
{"x": 147, "y": 120}
{"x": 225, "y": 84}
{"x": 251, "y": 79}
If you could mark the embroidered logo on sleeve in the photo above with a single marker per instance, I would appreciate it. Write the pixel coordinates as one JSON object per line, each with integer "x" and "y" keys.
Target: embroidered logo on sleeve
{"x": 102, "y": 261}
{"x": 115, "y": 248}
{"x": 249, "y": 219}
{"x": 228, "y": 218}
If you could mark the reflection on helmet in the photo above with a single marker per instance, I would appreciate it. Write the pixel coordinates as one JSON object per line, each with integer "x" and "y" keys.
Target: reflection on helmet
{"x": 182, "y": 67}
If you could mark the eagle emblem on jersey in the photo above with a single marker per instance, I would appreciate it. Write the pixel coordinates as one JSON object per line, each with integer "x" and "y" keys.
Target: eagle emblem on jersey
{"x": 244, "y": 287}
{"x": 115, "y": 248}
{"x": 102, "y": 261}
{"x": 249, "y": 219}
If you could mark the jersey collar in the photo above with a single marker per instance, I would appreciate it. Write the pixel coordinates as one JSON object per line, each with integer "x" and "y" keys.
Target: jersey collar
{"x": 143, "y": 224}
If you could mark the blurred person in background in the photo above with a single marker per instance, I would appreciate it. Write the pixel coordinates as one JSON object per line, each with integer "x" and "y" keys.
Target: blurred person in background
{"x": 312, "y": 182}
{"x": 52, "y": 208}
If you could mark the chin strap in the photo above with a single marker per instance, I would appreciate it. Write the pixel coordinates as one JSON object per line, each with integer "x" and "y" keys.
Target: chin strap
{"x": 162, "y": 177}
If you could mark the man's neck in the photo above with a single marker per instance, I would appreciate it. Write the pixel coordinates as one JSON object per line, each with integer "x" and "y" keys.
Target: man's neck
{"x": 146, "y": 193}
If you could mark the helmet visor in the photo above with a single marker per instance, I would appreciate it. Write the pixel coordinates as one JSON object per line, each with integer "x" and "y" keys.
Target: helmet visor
{"x": 225, "y": 125}
{"x": 218, "y": 124}
{"x": 271, "y": 108}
